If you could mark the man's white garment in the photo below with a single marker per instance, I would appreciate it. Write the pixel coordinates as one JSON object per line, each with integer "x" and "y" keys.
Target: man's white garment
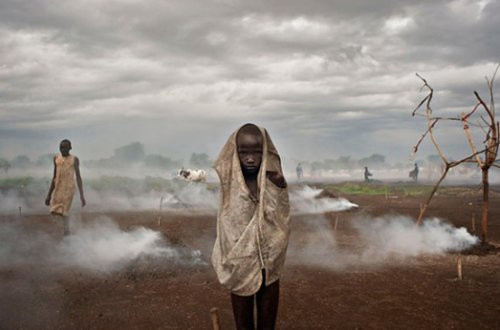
{"x": 251, "y": 234}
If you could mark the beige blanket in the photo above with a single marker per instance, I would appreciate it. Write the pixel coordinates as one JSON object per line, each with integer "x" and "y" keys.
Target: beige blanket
{"x": 251, "y": 235}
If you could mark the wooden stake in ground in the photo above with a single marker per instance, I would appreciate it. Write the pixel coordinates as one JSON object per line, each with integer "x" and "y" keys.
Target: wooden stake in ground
{"x": 159, "y": 215}
{"x": 473, "y": 223}
{"x": 214, "y": 313}
{"x": 459, "y": 267}
{"x": 336, "y": 223}
{"x": 20, "y": 211}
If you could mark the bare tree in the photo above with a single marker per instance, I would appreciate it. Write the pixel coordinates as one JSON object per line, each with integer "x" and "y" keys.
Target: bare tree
{"x": 485, "y": 158}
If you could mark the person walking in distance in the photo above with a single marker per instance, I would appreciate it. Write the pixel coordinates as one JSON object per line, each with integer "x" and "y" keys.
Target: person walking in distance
{"x": 62, "y": 186}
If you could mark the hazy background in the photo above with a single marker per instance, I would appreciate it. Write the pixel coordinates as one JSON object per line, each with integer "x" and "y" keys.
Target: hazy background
{"x": 327, "y": 78}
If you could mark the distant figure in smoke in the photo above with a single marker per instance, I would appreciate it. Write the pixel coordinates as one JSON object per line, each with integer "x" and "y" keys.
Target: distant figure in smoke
{"x": 252, "y": 225}
{"x": 299, "y": 171}
{"x": 367, "y": 175}
{"x": 414, "y": 173}
{"x": 62, "y": 187}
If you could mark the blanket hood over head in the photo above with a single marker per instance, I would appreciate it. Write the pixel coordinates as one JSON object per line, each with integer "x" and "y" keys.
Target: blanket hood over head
{"x": 251, "y": 234}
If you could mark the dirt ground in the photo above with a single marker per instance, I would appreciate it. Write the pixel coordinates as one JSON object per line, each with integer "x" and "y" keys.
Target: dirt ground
{"x": 421, "y": 292}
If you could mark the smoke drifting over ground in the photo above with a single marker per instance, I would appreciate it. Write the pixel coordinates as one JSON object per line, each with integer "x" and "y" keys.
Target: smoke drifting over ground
{"x": 380, "y": 240}
{"x": 123, "y": 194}
{"x": 103, "y": 246}
{"x": 190, "y": 195}
{"x": 400, "y": 236}
{"x": 98, "y": 246}
{"x": 10, "y": 202}
{"x": 116, "y": 193}
{"x": 308, "y": 200}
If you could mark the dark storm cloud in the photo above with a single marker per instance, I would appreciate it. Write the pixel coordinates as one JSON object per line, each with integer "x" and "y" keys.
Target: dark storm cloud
{"x": 313, "y": 71}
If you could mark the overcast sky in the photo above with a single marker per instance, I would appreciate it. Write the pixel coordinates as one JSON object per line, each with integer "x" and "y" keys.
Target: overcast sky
{"x": 326, "y": 77}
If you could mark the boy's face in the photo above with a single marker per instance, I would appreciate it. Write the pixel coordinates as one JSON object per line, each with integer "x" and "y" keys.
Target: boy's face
{"x": 64, "y": 148}
{"x": 249, "y": 152}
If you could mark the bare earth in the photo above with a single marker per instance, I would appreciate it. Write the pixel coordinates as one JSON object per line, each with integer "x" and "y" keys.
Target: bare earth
{"x": 422, "y": 292}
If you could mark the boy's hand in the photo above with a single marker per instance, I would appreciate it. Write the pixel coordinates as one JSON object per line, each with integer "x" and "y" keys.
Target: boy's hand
{"x": 277, "y": 179}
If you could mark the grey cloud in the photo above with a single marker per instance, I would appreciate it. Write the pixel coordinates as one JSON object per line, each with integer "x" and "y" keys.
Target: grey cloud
{"x": 171, "y": 73}
{"x": 443, "y": 37}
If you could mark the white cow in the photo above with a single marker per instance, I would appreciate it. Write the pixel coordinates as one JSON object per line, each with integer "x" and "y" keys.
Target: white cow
{"x": 193, "y": 175}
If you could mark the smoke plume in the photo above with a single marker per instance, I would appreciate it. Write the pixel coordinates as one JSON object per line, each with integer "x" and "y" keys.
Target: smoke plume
{"x": 308, "y": 200}
{"x": 98, "y": 246}
{"x": 368, "y": 241}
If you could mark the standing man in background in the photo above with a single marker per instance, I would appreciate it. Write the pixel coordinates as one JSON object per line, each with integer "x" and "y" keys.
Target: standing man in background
{"x": 414, "y": 173}
{"x": 299, "y": 171}
{"x": 367, "y": 175}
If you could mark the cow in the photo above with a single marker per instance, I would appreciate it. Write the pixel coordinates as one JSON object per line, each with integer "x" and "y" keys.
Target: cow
{"x": 193, "y": 175}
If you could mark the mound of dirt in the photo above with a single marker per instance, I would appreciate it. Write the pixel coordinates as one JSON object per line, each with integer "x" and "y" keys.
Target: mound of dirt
{"x": 482, "y": 249}
{"x": 325, "y": 194}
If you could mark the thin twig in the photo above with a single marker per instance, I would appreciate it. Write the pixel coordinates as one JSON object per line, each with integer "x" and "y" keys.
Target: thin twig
{"x": 419, "y": 105}
{"x": 424, "y": 207}
{"x": 471, "y": 142}
{"x": 415, "y": 148}
{"x": 470, "y": 113}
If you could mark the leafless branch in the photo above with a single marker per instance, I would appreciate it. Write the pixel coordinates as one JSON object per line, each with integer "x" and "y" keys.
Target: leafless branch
{"x": 426, "y": 205}
{"x": 440, "y": 118}
{"x": 466, "y": 159}
{"x": 470, "y": 113}
{"x": 491, "y": 129}
{"x": 470, "y": 141}
{"x": 484, "y": 121}
{"x": 490, "y": 88}
{"x": 482, "y": 129}
{"x": 488, "y": 111}
{"x": 419, "y": 105}
{"x": 415, "y": 148}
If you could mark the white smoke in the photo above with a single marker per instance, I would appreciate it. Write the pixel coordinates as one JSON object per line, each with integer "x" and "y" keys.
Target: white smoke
{"x": 305, "y": 201}
{"x": 99, "y": 246}
{"x": 193, "y": 195}
{"x": 10, "y": 202}
{"x": 403, "y": 237}
{"x": 103, "y": 246}
{"x": 182, "y": 196}
{"x": 375, "y": 241}
{"x": 179, "y": 195}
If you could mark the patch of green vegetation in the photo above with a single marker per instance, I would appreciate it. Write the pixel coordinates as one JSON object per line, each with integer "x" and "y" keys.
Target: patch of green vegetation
{"x": 416, "y": 191}
{"x": 397, "y": 189}
{"x": 212, "y": 186}
{"x": 18, "y": 182}
{"x": 362, "y": 189}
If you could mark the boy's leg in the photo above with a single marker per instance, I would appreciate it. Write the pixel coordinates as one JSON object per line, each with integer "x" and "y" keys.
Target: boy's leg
{"x": 267, "y": 304}
{"x": 243, "y": 311}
